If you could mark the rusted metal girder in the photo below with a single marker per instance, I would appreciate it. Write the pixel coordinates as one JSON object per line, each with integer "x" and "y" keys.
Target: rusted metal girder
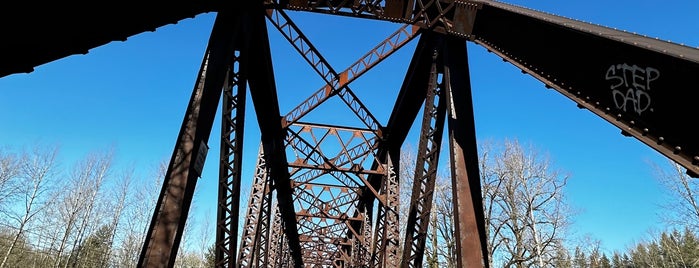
{"x": 387, "y": 235}
{"x": 425, "y": 173}
{"x": 324, "y": 231}
{"x": 166, "y": 227}
{"x": 230, "y": 166}
{"x": 336, "y": 83}
{"x": 408, "y": 103}
{"x": 326, "y": 200}
{"x": 257, "y": 216}
{"x": 631, "y": 81}
{"x": 469, "y": 219}
{"x": 453, "y": 17}
{"x": 264, "y": 97}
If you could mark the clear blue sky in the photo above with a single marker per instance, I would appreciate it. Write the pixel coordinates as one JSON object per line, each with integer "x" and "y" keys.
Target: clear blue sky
{"x": 132, "y": 95}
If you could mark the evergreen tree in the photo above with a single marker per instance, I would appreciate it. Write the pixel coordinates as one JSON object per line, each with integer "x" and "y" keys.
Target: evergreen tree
{"x": 594, "y": 259}
{"x": 562, "y": 258}
{"x": 690, "y": 246}
{"x": 604, "y": 262}
{"x": 579, "y": 259}
{"x": 617, "y": 262}
{"x": 210, "y": 256}
{"x": 670, "y": 249}
{"x": 626, "y": 262}
{"x": 93, "y": 252}
{"x": 19, "y": 256}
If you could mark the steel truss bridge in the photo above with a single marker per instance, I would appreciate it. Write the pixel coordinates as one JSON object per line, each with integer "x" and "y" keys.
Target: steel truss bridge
{"x": 313, "y": 205}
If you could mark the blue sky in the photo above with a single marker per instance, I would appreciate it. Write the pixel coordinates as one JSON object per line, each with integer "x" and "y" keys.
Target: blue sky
{"x": 132, "y": 95}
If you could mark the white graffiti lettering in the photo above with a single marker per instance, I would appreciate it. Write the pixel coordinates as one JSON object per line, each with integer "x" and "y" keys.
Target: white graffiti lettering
{"x": 630, "y": 86}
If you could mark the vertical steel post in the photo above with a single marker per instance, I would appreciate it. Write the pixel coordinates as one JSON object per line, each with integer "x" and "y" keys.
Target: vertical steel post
{"x": 386, "y": 235}
{"x": 232, "y": 123}
{"x": 427, "y": 161}
{"x": 469, "y": 219}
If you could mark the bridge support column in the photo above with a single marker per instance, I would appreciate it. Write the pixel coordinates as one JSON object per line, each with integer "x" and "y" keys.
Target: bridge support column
{"x": 168, "y": 222}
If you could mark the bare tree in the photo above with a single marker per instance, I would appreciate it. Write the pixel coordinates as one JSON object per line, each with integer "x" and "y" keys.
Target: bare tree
{"x": 405, "y": 183}
{"x": 36, "y": 170}
{"x": 524, "y": 206}
{"x": 440, "y": 248}
{"x": 443, "y": 239}
{"x": 9, "y": 169}
{"x": 95, "y": 168}
{"x": 78, "y": 202}
{"x": 117, "y": 206}
{"x": 205, "y": 230}
{"x": 137, "y": 214}
{"x": 684, "y": 195}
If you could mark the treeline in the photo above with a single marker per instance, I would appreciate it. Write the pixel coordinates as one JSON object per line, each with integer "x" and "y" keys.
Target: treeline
{"x": 672, "y": 249}
{"x": 82, "y": 214}
{"x": 92, "y": 214}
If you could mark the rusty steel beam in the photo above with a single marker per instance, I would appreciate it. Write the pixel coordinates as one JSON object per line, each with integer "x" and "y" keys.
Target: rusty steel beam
{"x": 276, "y": 238}
{"x": 410, "y": 98}
{"x": 636, "y": 83}
{"x": 425, "y": 173}
{"x": 390, "y": 10}
{"x": 449, "y": 17}
{"x": 469, "y": 219}
{"x": 332, "y": 203}
{"x": 412, "y": 93}
{"x": 387, "y": 235}
{"x": 168, "y": 221}
{"x": 260, "y": 194}
{"x": 405, "y": 110}
{"x": 335, "y": 83}
{"x": 232, "y": 126}
{"x": 264, "y": 97}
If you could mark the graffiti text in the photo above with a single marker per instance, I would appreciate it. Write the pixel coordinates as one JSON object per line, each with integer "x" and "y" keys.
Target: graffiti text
{"x": 631, "y": 85}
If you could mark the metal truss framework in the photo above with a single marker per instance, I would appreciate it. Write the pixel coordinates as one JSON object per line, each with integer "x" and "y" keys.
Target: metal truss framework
{"x": 327, "y": 195}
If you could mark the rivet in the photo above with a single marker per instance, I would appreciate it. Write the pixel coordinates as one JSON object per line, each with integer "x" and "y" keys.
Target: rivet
{"x": 661, "y": 140}
{"x": 677, "y": 149}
